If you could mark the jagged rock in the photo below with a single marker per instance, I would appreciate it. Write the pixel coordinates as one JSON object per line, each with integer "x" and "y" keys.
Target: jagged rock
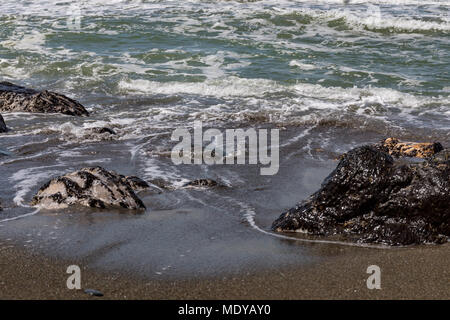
{"x": 371, "y": 197}
{"x": 398, "y": 148}
{"x": 2, "y": 125}
{"x": 93, "y": 187}
{"x": 15, "y": 98}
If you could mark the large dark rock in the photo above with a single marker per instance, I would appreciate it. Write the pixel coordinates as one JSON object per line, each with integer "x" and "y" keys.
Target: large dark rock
{"x": 372, "y": 197}
{"x": 93, "y": 187}
{"x": 2, "y": 125}
{"x": 15, "y": 98}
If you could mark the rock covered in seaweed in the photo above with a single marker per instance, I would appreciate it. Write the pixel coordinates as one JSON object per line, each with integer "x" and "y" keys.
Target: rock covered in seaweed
{"x": 398, "y": 148}
{"x": 93, "y": 187}
{"x": 372, "y": 197}
{"x": 2, "y": 125}
{"x": 14, "y": 98}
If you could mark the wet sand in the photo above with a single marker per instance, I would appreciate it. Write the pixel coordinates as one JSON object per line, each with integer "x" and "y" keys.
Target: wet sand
{"x": 408, "y": 273}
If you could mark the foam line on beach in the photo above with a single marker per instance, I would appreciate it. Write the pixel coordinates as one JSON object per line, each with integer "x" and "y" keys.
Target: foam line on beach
{"x": 250, "y": 217}
{"x": 21, "y": 216}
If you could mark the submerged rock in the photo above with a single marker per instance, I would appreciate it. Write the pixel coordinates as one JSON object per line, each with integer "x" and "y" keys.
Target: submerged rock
{"x": 202, "y": 183}
{"x": 93, "y": 187}
{"x": 97, "y": 133}
{"x": 15, "y": 98}
{"x": 161, "y": 184}
{"x": 2, "y": 125}
{"x": 372, "y": 198}
{"x": 101, "y": 130}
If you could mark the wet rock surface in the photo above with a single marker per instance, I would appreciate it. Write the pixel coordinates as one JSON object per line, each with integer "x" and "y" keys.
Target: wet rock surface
{"x": 373, "y": 198}
{"x": 14, "y": 98}
{"x": 2, "y": 125}
{"x": 93, "y": 187}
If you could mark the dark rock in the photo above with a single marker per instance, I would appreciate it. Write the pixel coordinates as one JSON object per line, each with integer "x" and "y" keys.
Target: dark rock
{"x": 103, "y": 130}
{"x": 93, "y": 187}
{"x": 15, "y": 98}
{"x": 93, "y": 292}
{"x": 372, "y": 198}
{"x": 2, "y": 125}
{"x": 202, "y": 183}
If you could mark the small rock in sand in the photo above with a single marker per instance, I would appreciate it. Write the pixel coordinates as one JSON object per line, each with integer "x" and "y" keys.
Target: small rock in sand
{"x": 93, "y": 292}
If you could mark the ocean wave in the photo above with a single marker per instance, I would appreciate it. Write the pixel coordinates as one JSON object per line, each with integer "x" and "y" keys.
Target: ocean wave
{"x": 224, "y": 87}
{"x": 242, "y": 87}
{"x": 267, "y": 101}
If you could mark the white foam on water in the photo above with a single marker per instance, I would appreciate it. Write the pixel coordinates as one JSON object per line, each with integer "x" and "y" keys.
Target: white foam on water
{"x": 301, "y": 65}
{"x": 154, "y": 169}
{"x": 9, "y": 69}
{"x": 229, "y": 86}
{"x": 25, "y": 180}
{"x": 33, "y": 42}
{"x": 308, "y": 97}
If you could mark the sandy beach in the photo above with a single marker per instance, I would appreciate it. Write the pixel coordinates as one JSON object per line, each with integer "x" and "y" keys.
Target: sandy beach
{"x": 419, "y": 273}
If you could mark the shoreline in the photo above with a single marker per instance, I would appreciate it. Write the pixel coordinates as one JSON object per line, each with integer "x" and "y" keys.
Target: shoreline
{"x": 408, "y": 273}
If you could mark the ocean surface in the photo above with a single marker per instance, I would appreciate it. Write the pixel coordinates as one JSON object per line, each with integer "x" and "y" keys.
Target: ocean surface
{"x": 329, "y": 74}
